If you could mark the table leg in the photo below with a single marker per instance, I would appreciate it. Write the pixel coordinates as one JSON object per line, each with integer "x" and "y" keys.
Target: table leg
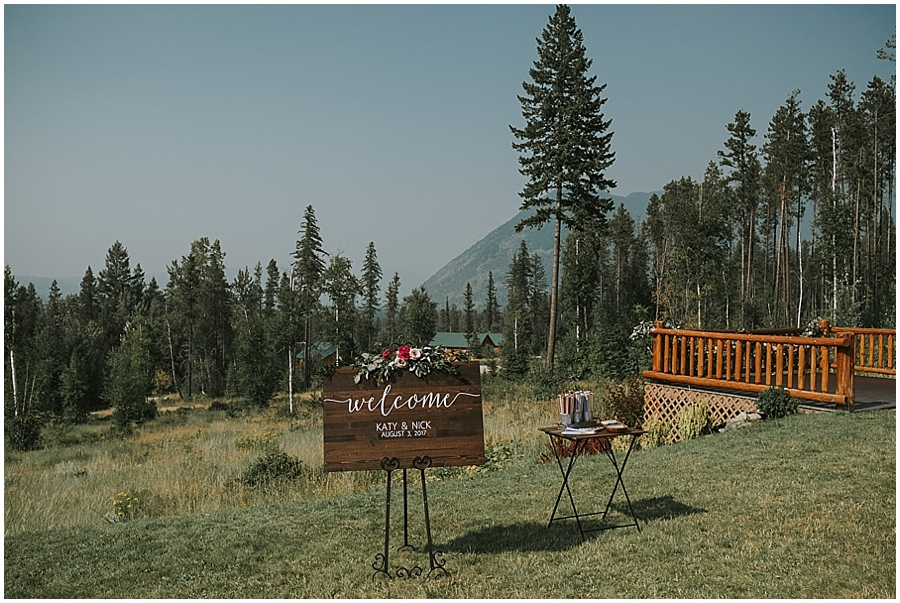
{"x": 576, "y": 452}
{"x": 619, "y": 482}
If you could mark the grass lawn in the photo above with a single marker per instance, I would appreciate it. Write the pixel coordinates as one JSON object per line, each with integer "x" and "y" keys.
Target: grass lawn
{"x": 803, "y": 507}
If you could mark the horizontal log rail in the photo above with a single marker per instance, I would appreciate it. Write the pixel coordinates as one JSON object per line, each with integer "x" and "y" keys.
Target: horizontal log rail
{"x": 875, "y": 349}
{"x": 753, "y": 362}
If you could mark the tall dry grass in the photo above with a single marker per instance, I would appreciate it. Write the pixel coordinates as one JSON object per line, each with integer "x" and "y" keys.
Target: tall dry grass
{"x": 191, "y": 460}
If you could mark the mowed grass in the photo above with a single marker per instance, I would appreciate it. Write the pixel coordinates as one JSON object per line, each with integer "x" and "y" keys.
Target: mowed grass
{"x": 803, "y": 507}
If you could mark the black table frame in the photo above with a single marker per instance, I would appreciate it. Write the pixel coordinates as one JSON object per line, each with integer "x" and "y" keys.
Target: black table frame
{"x": 580, "y": 442}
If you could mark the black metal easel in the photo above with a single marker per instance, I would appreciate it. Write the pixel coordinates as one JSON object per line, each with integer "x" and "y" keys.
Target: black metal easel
{"x": 435, "y": 557}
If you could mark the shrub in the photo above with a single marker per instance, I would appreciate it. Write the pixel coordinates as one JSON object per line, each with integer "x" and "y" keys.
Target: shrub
{"x": 625, "y": 401}
{"x": 271, "y": 467}
{"x": 134, "y": 413}
{"x": 658, "y": 433}
{"x": 498, "y": 456}
{"x": 257, "y": 441}
{"x": 694, "y": 420}
{"x": 545, "y": 382}
{"x": 776, "y": 402}
{"x": 24, "y": 432}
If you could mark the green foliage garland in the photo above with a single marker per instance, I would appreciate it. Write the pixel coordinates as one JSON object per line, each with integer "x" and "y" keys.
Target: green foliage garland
{"x": 383, "y": 368}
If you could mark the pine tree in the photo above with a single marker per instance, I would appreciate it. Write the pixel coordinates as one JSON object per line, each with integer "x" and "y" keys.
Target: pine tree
{"x": 787, "y": 168}
{"x": 517, "y": 332}
{"x": 87, "y": 297}
{"x": 371, "y": 287}
{"x": 491, "y": 316}
{"x": 419, "y": 318}
{"x": 744, "y": 179}
{"x": 342, "y": 288}
{"x": 390, "y": 329}
{"x": 114, "y": 294}
{"x": 273, "y": 277}
{"x": 307, "y": 269}
{"x": 469, "y": 318}
{"x": 565, "y": 144}
{"x": 130, "y": 377}
{"x": 877, "y": 108}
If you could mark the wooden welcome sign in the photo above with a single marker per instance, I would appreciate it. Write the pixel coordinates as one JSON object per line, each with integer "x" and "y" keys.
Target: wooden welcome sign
{"x": 438, "y": 416}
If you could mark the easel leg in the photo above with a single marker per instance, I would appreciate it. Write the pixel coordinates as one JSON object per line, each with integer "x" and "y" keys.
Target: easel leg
{"x": 381, "y": 559}
{"x": 434, "y": 556}
{"x": 406, "y": 544}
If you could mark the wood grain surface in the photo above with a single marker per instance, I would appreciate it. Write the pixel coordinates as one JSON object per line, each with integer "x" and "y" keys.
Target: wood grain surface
{"x": 439, "y": 417}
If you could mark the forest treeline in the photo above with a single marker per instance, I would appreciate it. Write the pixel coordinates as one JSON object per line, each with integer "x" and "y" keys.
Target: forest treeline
{"x": 730, "y": 251}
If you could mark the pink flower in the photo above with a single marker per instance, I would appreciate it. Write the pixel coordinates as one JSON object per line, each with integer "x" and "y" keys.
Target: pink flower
{"x": 400, "y": 363}
{"x": 403, "y": 353}
{"x": 415, "y": 353}
{"x": 386, "y": 354}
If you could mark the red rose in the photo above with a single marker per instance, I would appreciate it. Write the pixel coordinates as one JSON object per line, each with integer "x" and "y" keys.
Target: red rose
{"x": 386, "y": 354}
{"x": 403, "y": 352}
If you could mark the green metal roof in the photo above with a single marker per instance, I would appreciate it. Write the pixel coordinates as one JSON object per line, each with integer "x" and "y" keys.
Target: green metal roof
{"x": 447, "y": 339}
{"x": 318, "y": 350}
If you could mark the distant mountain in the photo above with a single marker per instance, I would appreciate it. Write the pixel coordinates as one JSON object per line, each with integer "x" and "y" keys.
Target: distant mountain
{"x": 494, "y": 252}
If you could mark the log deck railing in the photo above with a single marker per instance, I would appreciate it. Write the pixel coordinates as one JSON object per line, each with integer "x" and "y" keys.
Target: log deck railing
{"x": 875, "y": 349}
{"x": 821, "y": 368}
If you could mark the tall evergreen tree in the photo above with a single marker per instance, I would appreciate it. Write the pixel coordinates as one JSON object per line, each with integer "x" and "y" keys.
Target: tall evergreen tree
{"x": 744, "y": 180}
{"x": 215, "y": 332}
{"x": 469, "y": 318}
{"x": 491, "y": 315}
{"x": 565, "y": 144}
{"x": 371, "y": 287}
{"x": 130, "y": 377}
{"x": 342, "y": 288}
{"x": 787, "y": 168}
{"x": 198, "y": 315}
{"x": 87, "y": 297}
{"x": 517, "y": 331}
{"x": 419, "y": 317}
{"x": 114, "y": 294}
{"x": 273, "y": 278}
{"x": 306, "y": 274}
{"x": 390, "y": 328}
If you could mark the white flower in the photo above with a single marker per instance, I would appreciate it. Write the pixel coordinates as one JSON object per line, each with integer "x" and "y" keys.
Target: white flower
{"x": 415, "y": 353}
{"x": 400, "y": 363}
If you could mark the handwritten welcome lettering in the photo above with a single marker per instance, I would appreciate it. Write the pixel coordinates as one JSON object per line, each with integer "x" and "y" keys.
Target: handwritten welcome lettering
{"x": 412, "y": 402}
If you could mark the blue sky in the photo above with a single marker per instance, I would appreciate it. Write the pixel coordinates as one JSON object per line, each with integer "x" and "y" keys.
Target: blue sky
{"x": 158, "y": 125}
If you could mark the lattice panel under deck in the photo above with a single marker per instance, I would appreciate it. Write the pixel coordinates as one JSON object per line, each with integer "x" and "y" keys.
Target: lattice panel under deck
{"x": 665, "y": 402}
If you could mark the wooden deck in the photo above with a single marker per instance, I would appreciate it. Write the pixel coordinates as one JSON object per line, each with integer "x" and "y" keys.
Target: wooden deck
{"x": 832, "y": 370}
{"x": 872, "y": 393}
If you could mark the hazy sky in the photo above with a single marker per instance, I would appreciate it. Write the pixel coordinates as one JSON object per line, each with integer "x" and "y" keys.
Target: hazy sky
{"x": 158, "y": 125}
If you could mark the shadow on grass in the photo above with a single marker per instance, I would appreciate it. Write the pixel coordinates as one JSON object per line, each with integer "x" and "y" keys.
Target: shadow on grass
{"x": 661, "y": 507}
{"x": 522, "y": 537}
{"x": 534, "y": 536}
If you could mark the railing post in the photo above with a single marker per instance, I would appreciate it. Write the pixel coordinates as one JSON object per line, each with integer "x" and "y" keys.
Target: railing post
{"x": 845, "y": 359}
{"x": 657, "y": 347}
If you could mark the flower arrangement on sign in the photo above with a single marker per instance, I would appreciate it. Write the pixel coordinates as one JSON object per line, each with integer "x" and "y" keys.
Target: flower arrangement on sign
{"x": 419, "y": 361}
